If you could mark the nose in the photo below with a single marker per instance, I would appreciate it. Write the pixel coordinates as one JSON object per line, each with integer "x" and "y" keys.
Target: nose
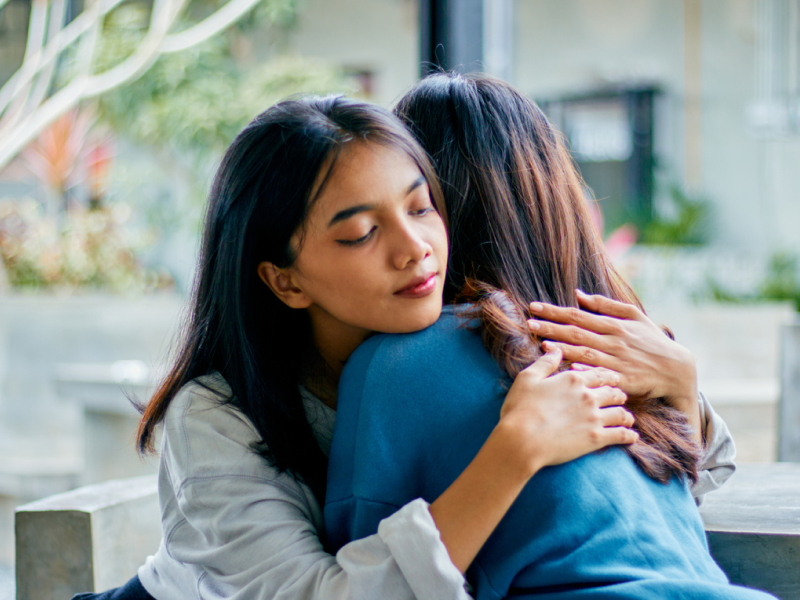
{"x": 410, "y": 246}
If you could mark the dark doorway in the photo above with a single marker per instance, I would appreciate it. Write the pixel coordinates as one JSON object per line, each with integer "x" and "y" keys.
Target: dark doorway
{"x": 610, "y": 134}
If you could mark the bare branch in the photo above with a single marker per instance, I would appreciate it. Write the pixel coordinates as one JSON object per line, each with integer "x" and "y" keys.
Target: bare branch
{"x": 210, "y": 26}
{"x": 30, "y": 62}
{"x": 83, "y": 23}
{"x": 58, "y": 12}
{"x": 25, "y": 113}
{"x": 142, "y": 58}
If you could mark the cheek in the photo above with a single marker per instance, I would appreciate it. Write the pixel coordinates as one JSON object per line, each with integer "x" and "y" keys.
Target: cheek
{"x": 439, "y": 241}
{"x": 341, "y": 279}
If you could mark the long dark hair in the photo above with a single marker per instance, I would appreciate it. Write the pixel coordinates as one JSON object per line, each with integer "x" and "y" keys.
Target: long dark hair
{"x": 520, "y": 231}
{"x": 236, "y": 326}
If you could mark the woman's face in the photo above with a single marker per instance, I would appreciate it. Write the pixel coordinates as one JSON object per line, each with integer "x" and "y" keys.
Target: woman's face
{"x": 373, "y": 251}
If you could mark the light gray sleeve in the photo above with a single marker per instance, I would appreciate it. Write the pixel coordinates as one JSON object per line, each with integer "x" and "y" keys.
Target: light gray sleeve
{"x": 240, "y": 530}
{"x": 717, "y": 464}
{"x": 257, "y": 540}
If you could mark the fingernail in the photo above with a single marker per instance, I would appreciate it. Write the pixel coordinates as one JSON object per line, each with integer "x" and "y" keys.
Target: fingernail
{"x": 580, "y": 292}
{"x": 534, "y": 325}
{"x": 536, "y": 306}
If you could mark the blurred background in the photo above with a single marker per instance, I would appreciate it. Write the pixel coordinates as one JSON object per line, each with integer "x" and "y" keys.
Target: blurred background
{"x": 683, "y": 117}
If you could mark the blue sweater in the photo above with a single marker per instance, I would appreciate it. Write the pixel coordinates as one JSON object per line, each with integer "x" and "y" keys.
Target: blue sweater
{"x": 413, "y": 411}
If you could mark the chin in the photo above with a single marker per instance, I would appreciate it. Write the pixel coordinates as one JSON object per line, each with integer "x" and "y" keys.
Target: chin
{"x": 418, "y": 321}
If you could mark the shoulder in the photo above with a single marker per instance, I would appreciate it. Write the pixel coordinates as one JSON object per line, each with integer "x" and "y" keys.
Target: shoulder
{"x": 204, "y": 403}
{"x": 204, "y": 434}
{"x": 451, "y": 337}
{"x": 433, "y": 364}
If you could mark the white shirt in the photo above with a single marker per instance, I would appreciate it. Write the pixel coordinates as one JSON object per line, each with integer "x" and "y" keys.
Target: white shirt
{"x": 236, "y": 528}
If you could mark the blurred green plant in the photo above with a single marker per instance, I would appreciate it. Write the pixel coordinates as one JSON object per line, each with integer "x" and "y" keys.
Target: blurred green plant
{"x": 196, "y": 101}
{"x": 183, "y": 111}
{"x": 782, "y": 281}
{"x": 780, "y": 284}
{"x": 719, "y": 293}
{"x": 689, "y": 225}
{"x": 187, "y": 108}
{"x": 89, "y": 249}
{"x": 65, "y": 243}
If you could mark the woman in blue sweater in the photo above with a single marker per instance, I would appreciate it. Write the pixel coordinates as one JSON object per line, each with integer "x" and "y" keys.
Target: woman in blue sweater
{"x": 414, "y": 409}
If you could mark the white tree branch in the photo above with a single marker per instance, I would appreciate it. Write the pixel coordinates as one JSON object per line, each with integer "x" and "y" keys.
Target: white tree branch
{"x": 30, "y": 63}
{"x": 36, "y": 28}
{"x": 210, "y": 26}
{"x": 18, "y": 127}
{"x": 142, "y": 58}
{"x": 84, "y": 22}
{"x": 58, "y": 12}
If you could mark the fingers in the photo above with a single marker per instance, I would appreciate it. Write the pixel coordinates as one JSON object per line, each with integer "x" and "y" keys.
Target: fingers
{"x": 616, "y": 416}
{"x": 607, "y": 306}
{"x": 545, "y": 365}
{"x": 569, "y": 334}
{"x": 613, "y": 436}
{"x": 584, "y": 355}
{"x": 572, "y": 316}
{"x": 596, "y": 378}
{"x": 608, "y": 395}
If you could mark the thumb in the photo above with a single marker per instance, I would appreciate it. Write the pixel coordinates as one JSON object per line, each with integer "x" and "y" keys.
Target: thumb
{"x": 546, "y": 364}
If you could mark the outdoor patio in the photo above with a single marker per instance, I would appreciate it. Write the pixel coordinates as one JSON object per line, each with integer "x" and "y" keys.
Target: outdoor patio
{"x": 681, "y": 117}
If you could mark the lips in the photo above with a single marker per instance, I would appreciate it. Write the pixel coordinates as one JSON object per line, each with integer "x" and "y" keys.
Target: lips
{"x": 418, "y": 287}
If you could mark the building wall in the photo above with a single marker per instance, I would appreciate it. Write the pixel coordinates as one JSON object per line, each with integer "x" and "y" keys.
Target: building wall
{"x": 571, "y": 46}
{"x": 730, "y": 152}
{"x": 380, "y": 36}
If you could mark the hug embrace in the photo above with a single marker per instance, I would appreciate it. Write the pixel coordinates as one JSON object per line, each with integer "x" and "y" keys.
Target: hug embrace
{"x": 365, "y": 403}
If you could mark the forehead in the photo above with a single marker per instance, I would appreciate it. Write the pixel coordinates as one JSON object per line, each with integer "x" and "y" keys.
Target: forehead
{"x": 365, "y": 173}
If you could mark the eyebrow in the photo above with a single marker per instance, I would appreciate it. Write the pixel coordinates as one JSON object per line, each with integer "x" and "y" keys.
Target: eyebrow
{"x": 345, "y": 214}
{"x": 417, "y": 182}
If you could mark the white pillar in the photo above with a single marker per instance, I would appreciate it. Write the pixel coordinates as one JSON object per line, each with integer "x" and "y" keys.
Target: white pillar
{"x": 498, "y": 38}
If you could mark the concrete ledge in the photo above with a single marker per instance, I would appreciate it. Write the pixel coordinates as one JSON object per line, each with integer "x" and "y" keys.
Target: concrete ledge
{"x": 90, "y": 539}
{"x": 753, "y": 527}
{"x": 96, "y": 537}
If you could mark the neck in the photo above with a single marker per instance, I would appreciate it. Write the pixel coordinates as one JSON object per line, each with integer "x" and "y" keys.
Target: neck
{"x": 334, "y": 342}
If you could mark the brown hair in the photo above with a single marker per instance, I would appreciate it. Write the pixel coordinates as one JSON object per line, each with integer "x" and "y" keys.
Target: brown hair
{"x": 521, "y": 232}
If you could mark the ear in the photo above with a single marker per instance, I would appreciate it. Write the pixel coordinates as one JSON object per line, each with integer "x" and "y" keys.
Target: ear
{"x": 283, "y": 285}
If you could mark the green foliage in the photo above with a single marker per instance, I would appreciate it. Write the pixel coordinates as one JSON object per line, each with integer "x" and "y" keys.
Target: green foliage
{"x": 88, "y": 249}
{"x": 196, "y": 101}
{"x": 282, "y": 13}
{"x": 719, "y": 293}
{"x": 781, "y": 283}
{"x": 187, "y": 108}
{"x": 690, "y": 226}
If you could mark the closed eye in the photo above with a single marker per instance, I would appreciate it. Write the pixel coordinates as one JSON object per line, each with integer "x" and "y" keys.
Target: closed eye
{"x": 359, "y": 241}
{"x": 422, "y": 212}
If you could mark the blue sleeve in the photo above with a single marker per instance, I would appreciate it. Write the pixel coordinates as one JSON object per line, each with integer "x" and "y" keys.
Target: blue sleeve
{"x": 403, "y": 426}
{"x": 347, "y": 516}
